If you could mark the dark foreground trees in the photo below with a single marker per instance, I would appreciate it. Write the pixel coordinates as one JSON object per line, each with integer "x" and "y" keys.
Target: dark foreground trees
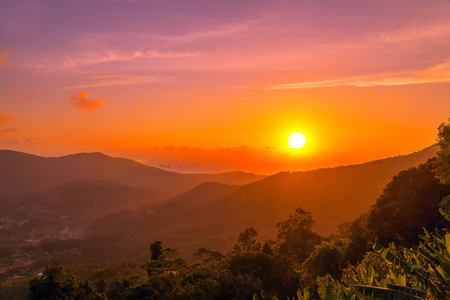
{"x": 296, "y": 236}
{"x": 409, "y": 203}
{"x": 55, "y": 283}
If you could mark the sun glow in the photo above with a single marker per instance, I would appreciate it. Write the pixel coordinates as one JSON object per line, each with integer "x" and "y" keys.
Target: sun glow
{"x": 297, "y": 140}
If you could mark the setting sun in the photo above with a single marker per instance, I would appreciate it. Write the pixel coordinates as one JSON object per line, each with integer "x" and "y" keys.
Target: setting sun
{"x": 297, "y": 140}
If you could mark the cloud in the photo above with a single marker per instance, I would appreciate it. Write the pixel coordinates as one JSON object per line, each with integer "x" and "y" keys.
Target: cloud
{"x": 28, "y": 96}
{"x": 219, "y": 31}
{"x": 417, "y": 32}
{"x": 7, "y": 132}
{"x": 33, "y": 141}
{"x": 109, "y": 56}
{"x": 434, "y": 74}
{"x": 396, "y": 95}
{"x": 6, "y": 118}
{"x": 82, "y": 101}
{"x": 119, "y": 79}
{"x": 3, "y": 55}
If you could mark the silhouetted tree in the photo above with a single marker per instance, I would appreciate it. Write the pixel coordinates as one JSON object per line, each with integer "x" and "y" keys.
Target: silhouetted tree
{"x": 442, "y": 162}
{"x": 296, "y": 236}
{"x": 156, "y": 249}
{"x": 409, "y": 203}
{"x": 325, "y": 259}
{"x": 55, "y": 283}
{"x": 251, "y": 272}
{"x": 267, "y": 249}
{"x": 358, "y": 238}
{"x": 247, "y": 241}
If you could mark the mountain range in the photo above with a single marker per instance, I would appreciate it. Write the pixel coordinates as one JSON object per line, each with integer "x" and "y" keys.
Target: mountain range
{"x": 92, "y": 196}
{"x": 214, "y": 214}
{"x": 22, "y": 173}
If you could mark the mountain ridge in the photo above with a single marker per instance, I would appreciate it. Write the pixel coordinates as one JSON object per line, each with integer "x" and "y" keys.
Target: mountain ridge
{"x": 23, "y": 173}
{"x": 333, "y": 195}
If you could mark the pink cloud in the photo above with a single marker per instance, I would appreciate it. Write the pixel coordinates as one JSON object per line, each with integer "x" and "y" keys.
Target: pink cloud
{"x": 87, "y": 59}
{"x": 6, "y": 118}
{"x": 82, "y": 101}
{"x": 119, "y": 79}
{"x": 433, "y": 74}
{"x": 3, "y": 56}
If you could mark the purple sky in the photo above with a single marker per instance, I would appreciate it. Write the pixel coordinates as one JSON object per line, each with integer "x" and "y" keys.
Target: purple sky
{"x": 125, "y": 76}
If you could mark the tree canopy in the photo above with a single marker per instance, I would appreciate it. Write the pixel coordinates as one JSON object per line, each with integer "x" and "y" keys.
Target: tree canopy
{"x": 409, "y": 203}
{"x": 442, "y": 163}
{"x": 296, "y": 236}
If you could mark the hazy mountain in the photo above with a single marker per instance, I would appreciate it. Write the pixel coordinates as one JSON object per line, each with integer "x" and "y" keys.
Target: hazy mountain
{"x": 22, "y": 173}
{"x": 213, "y": 215}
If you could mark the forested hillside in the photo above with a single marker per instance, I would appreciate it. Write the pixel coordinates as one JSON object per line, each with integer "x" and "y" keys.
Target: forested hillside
{"x": 113, "y": 242}
{"x": 209, "y": 217}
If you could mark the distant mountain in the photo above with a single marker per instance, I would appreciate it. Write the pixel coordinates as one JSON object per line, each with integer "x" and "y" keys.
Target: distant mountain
{"x": 22, "y": 173}
{"x": 333, "y": 195}
{"x": 213, "y": 215}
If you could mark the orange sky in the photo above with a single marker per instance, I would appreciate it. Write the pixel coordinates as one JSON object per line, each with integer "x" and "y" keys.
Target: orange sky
{"x": 217, "y": 86}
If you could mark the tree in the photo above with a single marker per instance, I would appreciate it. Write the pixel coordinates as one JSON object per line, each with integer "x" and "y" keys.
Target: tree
{"x": 409, "y": 203}
{"x": 358, "y": 237}
{"x": 442, "y": 163}
{"x": 247, "y": 241}
{"x": 156, "y": 249}
{"x": 296, "y": 236}
{"x": 267, "y": 249}
{"x": 54, "y": 283}
{"x": 326, "y": 259}
{"x": 251, "y": 272}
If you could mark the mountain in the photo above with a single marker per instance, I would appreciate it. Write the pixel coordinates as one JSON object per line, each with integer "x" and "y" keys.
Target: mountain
{"x": 213, "y": 215}
{"x": 22, "y": 174}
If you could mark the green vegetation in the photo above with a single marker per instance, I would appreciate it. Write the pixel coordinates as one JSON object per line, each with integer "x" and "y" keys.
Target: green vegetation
{"x": 398, "y": 249}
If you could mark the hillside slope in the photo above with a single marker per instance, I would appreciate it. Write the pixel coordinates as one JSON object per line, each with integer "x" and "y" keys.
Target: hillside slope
{"x": 203, "y": 218}
{"x": 22, "y": 173}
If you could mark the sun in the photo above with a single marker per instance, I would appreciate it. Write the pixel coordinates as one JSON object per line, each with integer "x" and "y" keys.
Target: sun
{"x": 297, "y": 140}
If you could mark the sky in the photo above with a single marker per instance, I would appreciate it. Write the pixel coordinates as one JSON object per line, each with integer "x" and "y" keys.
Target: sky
{"x": 207, "y": 86}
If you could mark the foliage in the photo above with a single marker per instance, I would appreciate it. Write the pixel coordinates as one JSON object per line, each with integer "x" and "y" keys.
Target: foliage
{"x": 409, "y": 203}
{"x": 248, "y": 273}
{"x": 213, "y": 261}
{"x": 267, "y": 247}
{"x": 326, "y": 259}
{"x": 358, "y": 238}
{"x": 247, "y": 241}
{"x": 156, "y": 250}
{"x": 296, "y": 236}
{"x": 444, "y": 208}
{"x": 55, "y": 283}
{"x": 442, "y": 163}
{"x": 411, "y": 274}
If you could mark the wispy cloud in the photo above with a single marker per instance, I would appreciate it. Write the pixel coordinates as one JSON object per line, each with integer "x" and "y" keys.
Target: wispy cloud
{"x": 110, "y": 56}
{"x": 33, "y": 141}
{"x": 5, "y": 118}
{"x": 415, "y": 33}
{"x": 3, "y": 60}
{"x": 87, "y": 59}
{"x": 119, "y": 79}
{"x": 435, "y": 74}
{"x": 219, "y": 31}
{"x": 82, "y": 101}
{"x": 7, "y": 132}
